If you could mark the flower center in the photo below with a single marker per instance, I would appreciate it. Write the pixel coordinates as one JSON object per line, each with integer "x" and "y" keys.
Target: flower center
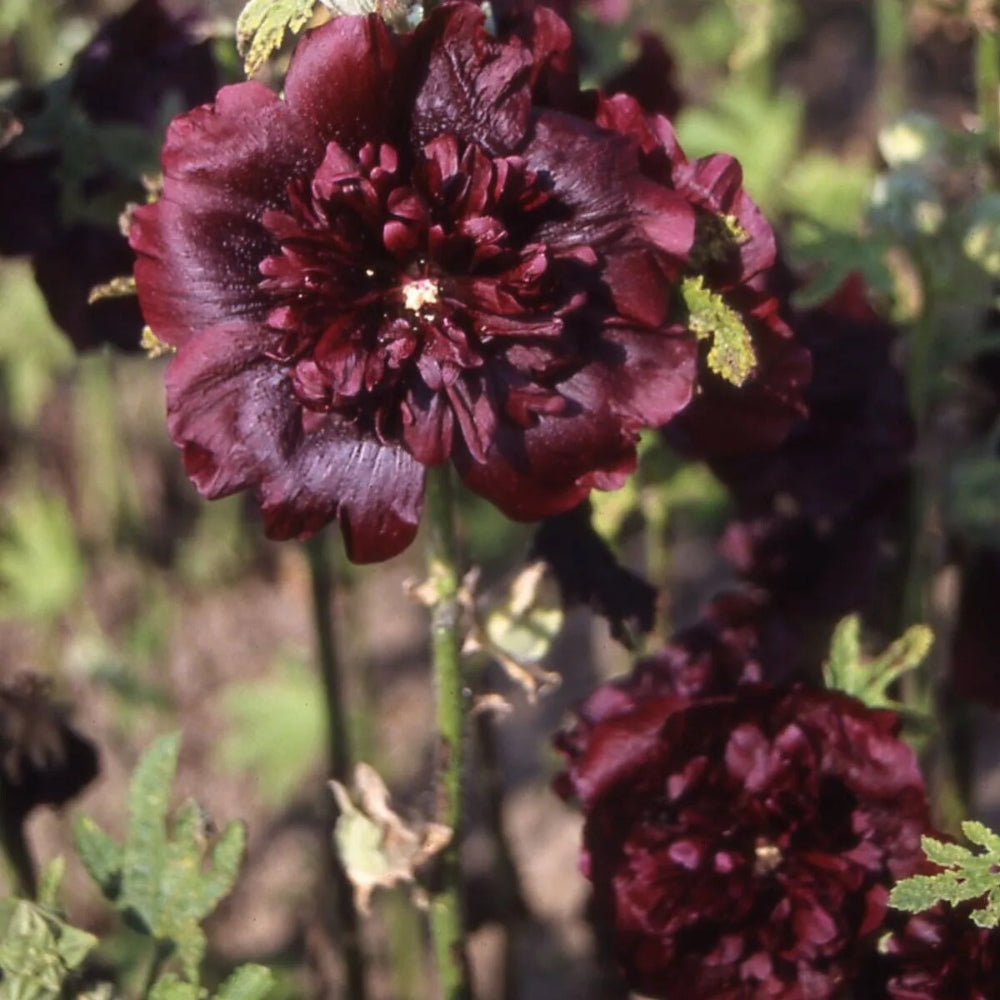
{"x": 767, "y": 857}
{"x": 420, "y": 293}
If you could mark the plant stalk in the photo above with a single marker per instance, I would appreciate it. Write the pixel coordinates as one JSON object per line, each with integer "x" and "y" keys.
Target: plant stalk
{"x": 988, "y": 82}
{"x": 447, "y": 930}
{"x": 346, "y": 922}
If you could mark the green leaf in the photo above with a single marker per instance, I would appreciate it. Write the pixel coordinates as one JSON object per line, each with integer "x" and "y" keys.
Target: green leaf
{"x": 100, "y": 855}
{"x": 38, "y": 951}
{"x": 261, "y": 27}
{"x": 285, "y": 714}
{"x": 981, "y": 835}
{"x": 159, "y": 880}
{"x": 170, "y": 987}
{"x": 248, "y": 982}
{"x": 731, "y": 355}
{"x": 869, "y": 678}
{"x": 918, "y": 893}
{"x": 966, "y": 875}
{"x": 41, "y": 567}
{"x": 51, "y": 880}
{"x": 145, "y": 855}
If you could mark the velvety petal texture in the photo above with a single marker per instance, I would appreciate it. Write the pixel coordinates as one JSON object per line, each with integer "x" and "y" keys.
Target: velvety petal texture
{"x": 411, "y": 259}
{"x": 740, "y": 845}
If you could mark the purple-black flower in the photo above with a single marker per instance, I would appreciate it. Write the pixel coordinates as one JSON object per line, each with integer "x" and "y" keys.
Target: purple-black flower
{"x": 743, "y": 846}
{"x": 942, "y": 953}
{"x": 61, "y": 193}
{"x": 404, "y": 262}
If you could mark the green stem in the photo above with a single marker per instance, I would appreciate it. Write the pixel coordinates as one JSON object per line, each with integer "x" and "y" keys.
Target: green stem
{"x": 890, "y": 31}
{"x": 346, "y": 923}
{"x": 443, "y": 566}
{"x": 17, "y": 855}
{"x": 988, "y": 82}
{"x": 161, "y": 954}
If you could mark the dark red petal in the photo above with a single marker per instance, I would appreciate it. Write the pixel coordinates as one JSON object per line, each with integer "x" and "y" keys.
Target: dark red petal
{"x": 374, "y": 490}
{"x": 200, "y": 245}
{"x": 551, "y": 466}
{"x": 475, "y": 86}
{"x": 229, "y": 409}
{"x": 717, "y": 182}
{"x": 645, "y": 376}
{"x": 592, "y": 173}
{"x": 620, "y": 745}
{"x": 342, "y": 78}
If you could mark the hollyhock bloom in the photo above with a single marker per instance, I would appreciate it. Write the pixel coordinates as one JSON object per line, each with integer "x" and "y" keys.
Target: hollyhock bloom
{"x": 858, "y": 432}
{"x": 942, "y": 953}
{"x": 402, "y": 262}
{"x": 741, "y": 847}
{"x": 733, "y": 256}
{"x": 817, "y": 517}
{"x": 43, "y": 759}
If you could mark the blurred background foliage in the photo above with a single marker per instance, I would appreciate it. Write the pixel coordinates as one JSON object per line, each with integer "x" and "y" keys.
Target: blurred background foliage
{"x": 149, "y": 610}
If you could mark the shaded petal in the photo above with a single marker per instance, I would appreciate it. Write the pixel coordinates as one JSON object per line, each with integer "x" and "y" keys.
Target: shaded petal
{"x": 717, "y": 183}
{"x": 551, "y": 466}
{"x": 229, "y": 409}
{"x": 590, "y": 170}
{"x": 374, "y": 490}
{"x": 342, "y": 79}
{"x": 646, "y": 377}
{"x": 199, "y": 247}
{"x": 475, "y": 86}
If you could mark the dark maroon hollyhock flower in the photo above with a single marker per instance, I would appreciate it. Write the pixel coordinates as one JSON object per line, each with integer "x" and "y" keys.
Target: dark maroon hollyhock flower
{"x": 404, "y": 262}
{"x": 139, "y": 66}
{"x": 742, "y": 847}
{"x": 733, "y": 254}
{"x": 819, "y": 517}
{"x": 941, "y": 954}
{"x": 139, "y": 60}
{"x": 588, "y": 573}
{"x": 858, "y": 433}
{"x": 43, "y": 759}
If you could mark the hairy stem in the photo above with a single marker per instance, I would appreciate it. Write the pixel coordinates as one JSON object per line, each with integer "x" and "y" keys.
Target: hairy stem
{"x": 443, "y": 567}
{"x": 346, "y": 924}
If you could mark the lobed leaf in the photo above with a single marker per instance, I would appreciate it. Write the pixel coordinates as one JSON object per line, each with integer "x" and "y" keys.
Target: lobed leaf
{"x": 868, "y": 679}
{"x": 966, "y": 876}
{"x": 101, "y": 856}
{"x": 159, "y": 879}
{"x": 731, "y": 355}
{"x": 261, "y": 27}
{"x": 248, "y": 982}
{"x": 145, "y": 855}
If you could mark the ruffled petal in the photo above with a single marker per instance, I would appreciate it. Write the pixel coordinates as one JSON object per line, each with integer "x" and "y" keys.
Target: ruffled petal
{"x": 230, "y": 410}
{"x": 342, "y": 79}
{"x": 475, "y": 87}
{"x": 199, "y": 247}
{"x": 374, "y": 490}
{"x": 645, "y": 377}
{"x": 552, "y": 466}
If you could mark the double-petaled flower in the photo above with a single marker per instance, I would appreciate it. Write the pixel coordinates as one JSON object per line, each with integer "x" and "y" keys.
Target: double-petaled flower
{"x": 411, "y": 259}
{"x": 741, "y": 846}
